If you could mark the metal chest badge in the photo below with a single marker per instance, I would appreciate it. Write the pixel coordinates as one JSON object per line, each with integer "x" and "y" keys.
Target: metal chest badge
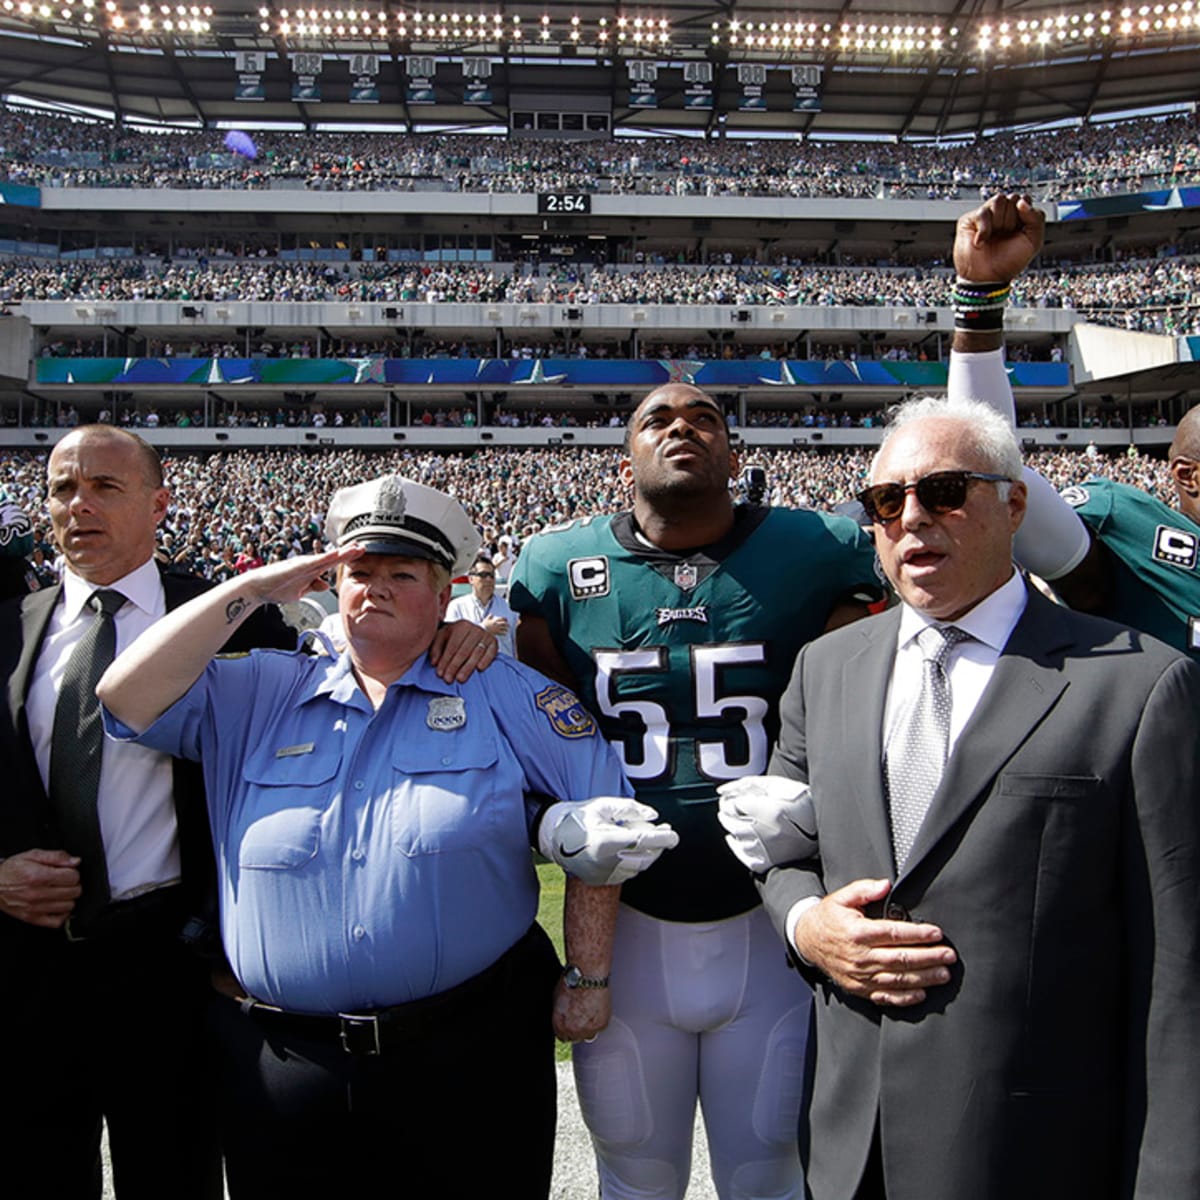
{"x": 686, "y": 576}
{"x": 446, "y": 713}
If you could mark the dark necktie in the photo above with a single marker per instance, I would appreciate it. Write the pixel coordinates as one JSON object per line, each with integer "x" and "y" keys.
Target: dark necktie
{"x": 76, "y": 747}
{"x": 916, "y": 754}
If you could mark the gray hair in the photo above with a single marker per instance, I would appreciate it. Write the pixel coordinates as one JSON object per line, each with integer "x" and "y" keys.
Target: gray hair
{"x": 991, "y": 436}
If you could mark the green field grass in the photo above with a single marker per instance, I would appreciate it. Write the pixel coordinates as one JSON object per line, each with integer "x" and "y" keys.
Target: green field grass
{"x": 550, "y": 907}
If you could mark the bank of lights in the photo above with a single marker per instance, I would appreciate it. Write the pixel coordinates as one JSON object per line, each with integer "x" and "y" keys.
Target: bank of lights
{"x": 1147, "y": 19}
{"x": 786, "y": 33}
{"x": 849, "y": 36}
{"x": 162, "y": 18}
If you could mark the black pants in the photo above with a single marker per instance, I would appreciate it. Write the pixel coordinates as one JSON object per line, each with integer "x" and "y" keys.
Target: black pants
{"x": 107, "y": 1028}
{"x": 464, "y": 1106}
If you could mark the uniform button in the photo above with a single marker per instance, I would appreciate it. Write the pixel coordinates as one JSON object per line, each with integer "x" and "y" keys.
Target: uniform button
{"x": 358, "y": 854}
{"x": 896, "y": 912}
{"x": 447, "y": 760}
{"x": 359, "y": 933}
{"x": 359, "y": 785}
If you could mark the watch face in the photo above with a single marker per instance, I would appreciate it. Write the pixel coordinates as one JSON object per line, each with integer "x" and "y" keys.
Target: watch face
{"x": 572, "y": 976}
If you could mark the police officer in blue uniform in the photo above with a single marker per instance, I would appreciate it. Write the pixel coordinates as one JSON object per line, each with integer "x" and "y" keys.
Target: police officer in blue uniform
{"x": 392, "y": 1016}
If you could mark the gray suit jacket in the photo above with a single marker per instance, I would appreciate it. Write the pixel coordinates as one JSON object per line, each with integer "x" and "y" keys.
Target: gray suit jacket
{"x": 1061, "y": 857}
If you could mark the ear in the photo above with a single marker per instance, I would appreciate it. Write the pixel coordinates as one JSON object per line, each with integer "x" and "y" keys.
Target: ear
{"x": 1186, "y": 474}
{"x": 443, "y": 600}
{"x": 162, "y": 498}
{"x": 1018, "y": 500}
{"x": 735, "y": 462}
{"x": 625, "y": 470}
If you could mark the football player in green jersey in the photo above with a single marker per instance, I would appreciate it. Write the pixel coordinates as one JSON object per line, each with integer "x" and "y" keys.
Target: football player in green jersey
{"x": 1130, "y": 557}
{"x": 679, "y": 622}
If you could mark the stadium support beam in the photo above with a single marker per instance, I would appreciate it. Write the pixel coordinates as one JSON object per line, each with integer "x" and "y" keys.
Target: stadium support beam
{"x": 118, "y": 109}
{"x": 185, "y": 87}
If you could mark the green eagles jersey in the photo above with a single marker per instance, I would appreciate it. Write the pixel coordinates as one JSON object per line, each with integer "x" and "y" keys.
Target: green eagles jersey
{"x": 683, "y": 658}
{"x": 1155, "y": 548}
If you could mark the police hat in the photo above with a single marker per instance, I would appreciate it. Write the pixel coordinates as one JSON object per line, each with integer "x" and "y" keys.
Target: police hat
{"x": 393, "y": 515}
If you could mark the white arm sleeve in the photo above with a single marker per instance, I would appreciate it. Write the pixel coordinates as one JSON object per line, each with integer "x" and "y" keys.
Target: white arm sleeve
{"x": 1052, "y": 540}
{"x": 982, "y": 377}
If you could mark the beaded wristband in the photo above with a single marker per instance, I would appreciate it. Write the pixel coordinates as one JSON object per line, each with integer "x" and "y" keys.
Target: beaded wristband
{"x": 979, "y": 307}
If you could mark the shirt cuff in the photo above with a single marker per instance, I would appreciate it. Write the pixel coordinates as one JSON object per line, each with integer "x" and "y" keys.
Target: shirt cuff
{"x": 793, "y": 915}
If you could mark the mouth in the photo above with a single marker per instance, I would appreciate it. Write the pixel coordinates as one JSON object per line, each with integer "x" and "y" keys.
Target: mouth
{"x": 683, "y": 450}
{"x": 922, "y": 558}
{"x": 83, "y": 535}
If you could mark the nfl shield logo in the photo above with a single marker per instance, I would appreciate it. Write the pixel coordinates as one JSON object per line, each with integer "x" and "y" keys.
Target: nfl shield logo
{"x": 685, "y": 576}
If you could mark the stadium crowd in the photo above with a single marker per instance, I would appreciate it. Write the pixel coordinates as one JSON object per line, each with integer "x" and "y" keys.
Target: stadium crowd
{"x": 49, "y": 151}
{"x": 1159, "y": 295}
{"x": 231, "y": 508}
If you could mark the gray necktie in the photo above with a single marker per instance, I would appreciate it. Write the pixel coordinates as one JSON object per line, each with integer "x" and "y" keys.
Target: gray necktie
{"x": 76, "y": 746}
{"x": 916, "y": 754}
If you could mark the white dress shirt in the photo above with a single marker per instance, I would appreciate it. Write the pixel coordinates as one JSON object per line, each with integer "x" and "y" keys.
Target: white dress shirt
{"x": 135, "y": 799}
{"x": 970, "y": 664}
{"x": 468, "y": 608}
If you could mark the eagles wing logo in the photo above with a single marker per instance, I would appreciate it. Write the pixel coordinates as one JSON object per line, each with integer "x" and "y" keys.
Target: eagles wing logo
{"x": 567, "y": 716}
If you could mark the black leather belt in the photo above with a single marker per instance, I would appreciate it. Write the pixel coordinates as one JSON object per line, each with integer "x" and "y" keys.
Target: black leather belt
{"x": 377, "y": 1032}
{"x": 159, "y": 913}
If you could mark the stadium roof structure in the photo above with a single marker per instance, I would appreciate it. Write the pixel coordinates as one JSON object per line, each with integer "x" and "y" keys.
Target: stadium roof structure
{"x": 849, "y": 68}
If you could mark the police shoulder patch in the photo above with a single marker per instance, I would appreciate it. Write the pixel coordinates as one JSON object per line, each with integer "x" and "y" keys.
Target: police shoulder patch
{"x": 567, "y": 716}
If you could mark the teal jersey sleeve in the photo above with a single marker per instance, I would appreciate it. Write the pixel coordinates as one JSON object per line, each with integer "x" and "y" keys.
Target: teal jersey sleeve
{"x": 1156, "y": 552}
{"x": 683, "y": 658}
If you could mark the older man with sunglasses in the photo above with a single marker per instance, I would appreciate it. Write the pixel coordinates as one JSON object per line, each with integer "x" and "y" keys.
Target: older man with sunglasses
{"x": 1000, "y": 923}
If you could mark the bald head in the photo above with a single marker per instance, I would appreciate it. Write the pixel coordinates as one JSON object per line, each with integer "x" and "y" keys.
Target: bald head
{"x": 1187, "y": 436}
{"x": 1185, "y": 464}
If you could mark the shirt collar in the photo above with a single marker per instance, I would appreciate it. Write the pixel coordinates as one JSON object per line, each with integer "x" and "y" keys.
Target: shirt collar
{"x": 338, "y": 681}
{"x": 142, "y": 587}
{"x": 991, "y": 621}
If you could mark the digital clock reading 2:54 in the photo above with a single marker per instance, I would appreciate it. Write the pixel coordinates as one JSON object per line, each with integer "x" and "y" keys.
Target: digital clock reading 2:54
{"x": 565, "y": 203}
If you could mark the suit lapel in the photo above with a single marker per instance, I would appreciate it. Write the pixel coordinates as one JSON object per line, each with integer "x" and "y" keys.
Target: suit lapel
{"x": 1025, "y": 685}
{"x": 35, "y": 616}
{"x": 865, "y": 679}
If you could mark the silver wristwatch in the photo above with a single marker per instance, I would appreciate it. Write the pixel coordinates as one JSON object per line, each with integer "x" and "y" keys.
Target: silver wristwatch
{"x": 574, "y": 978}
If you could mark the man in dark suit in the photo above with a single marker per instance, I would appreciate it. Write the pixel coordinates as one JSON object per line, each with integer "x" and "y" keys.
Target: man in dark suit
{"x": 100, "y": 1009}
{"x": 1001, "y": 921}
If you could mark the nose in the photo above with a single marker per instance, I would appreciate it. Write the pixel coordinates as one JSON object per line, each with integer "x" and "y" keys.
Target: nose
{"x": 681, "y": 427}
{"x": 81, "y": 500}
{"x": 913, "y": 515}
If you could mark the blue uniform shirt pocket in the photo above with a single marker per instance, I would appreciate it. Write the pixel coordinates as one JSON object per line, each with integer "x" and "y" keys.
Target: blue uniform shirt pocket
{"x": 445, "y": 794}
{"x": 285, "y": 800}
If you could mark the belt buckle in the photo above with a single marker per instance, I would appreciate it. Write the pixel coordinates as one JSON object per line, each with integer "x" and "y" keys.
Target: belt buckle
{"x": 360, "y": 1033}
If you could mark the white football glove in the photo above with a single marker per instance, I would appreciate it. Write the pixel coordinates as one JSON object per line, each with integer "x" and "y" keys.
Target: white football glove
{"x": 603, "y": 841}
{"x": 769, "y": 820}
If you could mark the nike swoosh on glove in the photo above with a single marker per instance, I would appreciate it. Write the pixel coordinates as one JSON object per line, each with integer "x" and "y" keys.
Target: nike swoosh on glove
{"x": 768, "y": 820}
{"x": 603, "y": 841}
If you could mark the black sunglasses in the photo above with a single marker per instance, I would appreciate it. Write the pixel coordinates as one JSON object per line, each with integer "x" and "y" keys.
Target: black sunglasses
{"x": 939, "y": 493}
{"x": 482, "y": 574}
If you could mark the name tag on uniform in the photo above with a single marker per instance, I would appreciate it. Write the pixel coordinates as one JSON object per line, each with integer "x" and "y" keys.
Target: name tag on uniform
{"x": 293, "y": 751}
{"x": 446, "y": 713}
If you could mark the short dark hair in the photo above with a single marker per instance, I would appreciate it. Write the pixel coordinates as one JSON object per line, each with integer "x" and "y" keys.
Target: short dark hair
{"x": 628, "y": 439}
{"x": 151, "y": 463}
